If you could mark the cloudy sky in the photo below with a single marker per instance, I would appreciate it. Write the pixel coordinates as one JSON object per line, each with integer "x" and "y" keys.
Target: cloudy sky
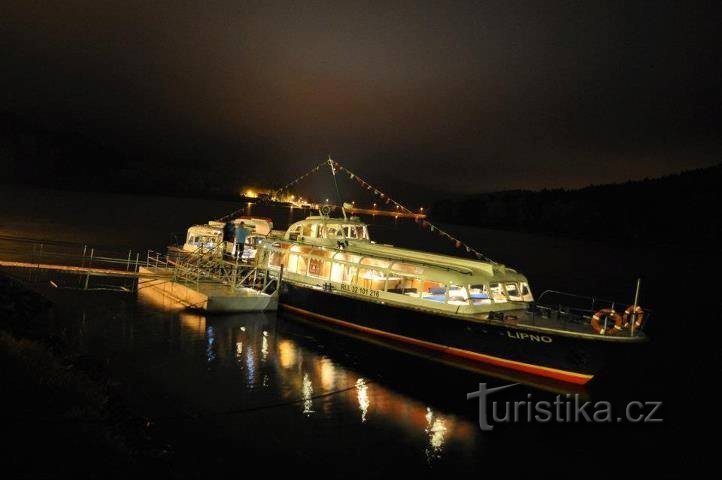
{"x": 457, "y": 96}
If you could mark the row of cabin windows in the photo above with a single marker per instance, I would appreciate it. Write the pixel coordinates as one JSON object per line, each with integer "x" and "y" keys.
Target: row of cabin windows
{"x": 314, "y": 230}
{"x": 402, "y": 283}
{"x": 205, "y": 240}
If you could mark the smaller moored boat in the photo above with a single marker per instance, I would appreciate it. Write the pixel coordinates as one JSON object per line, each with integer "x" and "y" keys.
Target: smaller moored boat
{"x": 218, "y": 233}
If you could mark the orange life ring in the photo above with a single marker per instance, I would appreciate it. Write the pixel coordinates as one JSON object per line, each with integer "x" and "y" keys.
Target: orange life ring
{"x": 638, "y": 316}
{"x": 598, "y": 324}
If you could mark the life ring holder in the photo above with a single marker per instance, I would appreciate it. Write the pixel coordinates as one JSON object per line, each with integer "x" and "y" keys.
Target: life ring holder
{"x": 598, "y": 322}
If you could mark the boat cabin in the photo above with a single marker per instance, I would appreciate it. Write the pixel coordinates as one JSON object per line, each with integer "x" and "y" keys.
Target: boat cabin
{"x": 207, "y": 237}
{"x": 321, "y": 229}
{"x": 311, "y": 253}
{"x": 217, "y": 233}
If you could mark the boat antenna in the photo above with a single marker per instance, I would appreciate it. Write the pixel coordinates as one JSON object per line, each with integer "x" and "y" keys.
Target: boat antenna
{"x": 335, "y": 183}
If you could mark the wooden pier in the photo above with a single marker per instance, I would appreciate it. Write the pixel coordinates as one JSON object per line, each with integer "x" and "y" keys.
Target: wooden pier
{"x": 205, "y": 280}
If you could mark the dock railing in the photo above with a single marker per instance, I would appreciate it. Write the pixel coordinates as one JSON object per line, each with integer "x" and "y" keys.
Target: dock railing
{"x": 213, "y": 265}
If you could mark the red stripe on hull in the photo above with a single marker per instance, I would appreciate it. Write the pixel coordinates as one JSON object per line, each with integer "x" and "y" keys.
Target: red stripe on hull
{"x": 561, "y": 375}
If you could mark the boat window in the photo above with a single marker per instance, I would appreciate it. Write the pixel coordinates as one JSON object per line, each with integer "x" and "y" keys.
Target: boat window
{"x": 371, "y": 278}
{"x": 346, "y": 257}
{"x": 293, "y": 234}
{"x": 526, "y": 293}
{"x": 479, "y": 295}
{"x": 276, "y": 258}
{"x": 332, "y": 231}
{"x": 375, "y": 262}
{"x": 434, "y": 291}
{"x": 343, "y": 272}
{"x": 355, "y": 231}
{"x": 318, "y": 252}
{"x": 307, "y": 230}
{"x": 497, "y": 292}
{"x": 349, "y": 273}
{"x": 403, "y": 285}
{"x": 512, "y": 290}
{"x": 458, "y": 295}
{"x": 407, "y": 268}
{"x": 337, "y": 272}
{"x": 302, "y": 265}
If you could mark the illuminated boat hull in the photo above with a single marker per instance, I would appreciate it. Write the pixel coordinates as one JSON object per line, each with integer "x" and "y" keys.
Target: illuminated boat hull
{"x": 547, "y": 354}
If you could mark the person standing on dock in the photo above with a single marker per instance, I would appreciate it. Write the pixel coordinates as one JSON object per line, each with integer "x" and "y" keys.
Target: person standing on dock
{"x": 241, "y": 235}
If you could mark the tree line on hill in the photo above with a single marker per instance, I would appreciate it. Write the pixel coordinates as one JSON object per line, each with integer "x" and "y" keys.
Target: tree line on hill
{"x": 676, "y": 209}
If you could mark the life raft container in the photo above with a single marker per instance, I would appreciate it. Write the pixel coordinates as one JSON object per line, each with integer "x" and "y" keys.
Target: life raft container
{"x": 598, "y": 322}
{"x": 638, "y": 316}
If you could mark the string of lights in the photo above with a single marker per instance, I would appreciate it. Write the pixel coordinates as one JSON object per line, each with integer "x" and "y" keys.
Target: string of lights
{"x": 424, "y": 223}
{"x": 293, "y": 182}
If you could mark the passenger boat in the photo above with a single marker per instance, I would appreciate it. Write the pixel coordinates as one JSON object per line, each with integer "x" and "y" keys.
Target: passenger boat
{"x": 481, "y": 311}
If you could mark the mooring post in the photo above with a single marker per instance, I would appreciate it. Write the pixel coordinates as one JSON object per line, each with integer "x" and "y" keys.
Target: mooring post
{"x": 90, "y": 264}
{"x": 134, "y": 282}
{"x": 235, "y": 274}
{"x": 82, "y": 263}
{"x": 634, "y": 308}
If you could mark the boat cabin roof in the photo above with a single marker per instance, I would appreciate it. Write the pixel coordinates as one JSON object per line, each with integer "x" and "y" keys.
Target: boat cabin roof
{"x": 205, "y": 230}
{"x": 446, "y": 268}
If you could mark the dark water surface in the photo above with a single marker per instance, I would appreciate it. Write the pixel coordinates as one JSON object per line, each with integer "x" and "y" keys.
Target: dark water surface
{"x": 278, "y": 392}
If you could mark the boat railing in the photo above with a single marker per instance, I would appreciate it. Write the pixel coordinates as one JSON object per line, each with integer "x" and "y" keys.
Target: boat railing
{"x": 569, "y": 309}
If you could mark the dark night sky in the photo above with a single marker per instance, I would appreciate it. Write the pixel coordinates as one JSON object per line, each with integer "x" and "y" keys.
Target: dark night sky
{"x": 459, "y": 96}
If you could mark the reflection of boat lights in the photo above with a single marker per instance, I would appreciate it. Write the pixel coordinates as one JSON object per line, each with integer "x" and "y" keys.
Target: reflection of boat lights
{"x": 264, "y": 349}
{"x": 211, "y": 340}
{"x": 250, "y": 365}
{"x": 328, "y": 374}
{"x": 307, "y": 395}
{"x": 287, "y": 353}
{"x": 197, "y": 323}
{"x": 243, "y": 329}
{"x": 362, "y": 392}
{"x": 239, "y": 349}
{"x": 436, "y": 430}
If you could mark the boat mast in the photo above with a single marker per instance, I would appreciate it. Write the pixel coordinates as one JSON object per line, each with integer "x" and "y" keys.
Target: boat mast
{"x": 338, "y": 192}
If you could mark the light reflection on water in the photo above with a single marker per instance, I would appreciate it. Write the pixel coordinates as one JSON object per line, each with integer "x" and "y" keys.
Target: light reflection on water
{"x": 313, "y": 380}
{"x": 162, "y": 358}
{"x": 267, "y": 364}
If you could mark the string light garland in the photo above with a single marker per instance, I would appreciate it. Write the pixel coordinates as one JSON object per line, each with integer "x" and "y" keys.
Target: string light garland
{"x": 388, "y": 200}
{"x": 298, "y": 179}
